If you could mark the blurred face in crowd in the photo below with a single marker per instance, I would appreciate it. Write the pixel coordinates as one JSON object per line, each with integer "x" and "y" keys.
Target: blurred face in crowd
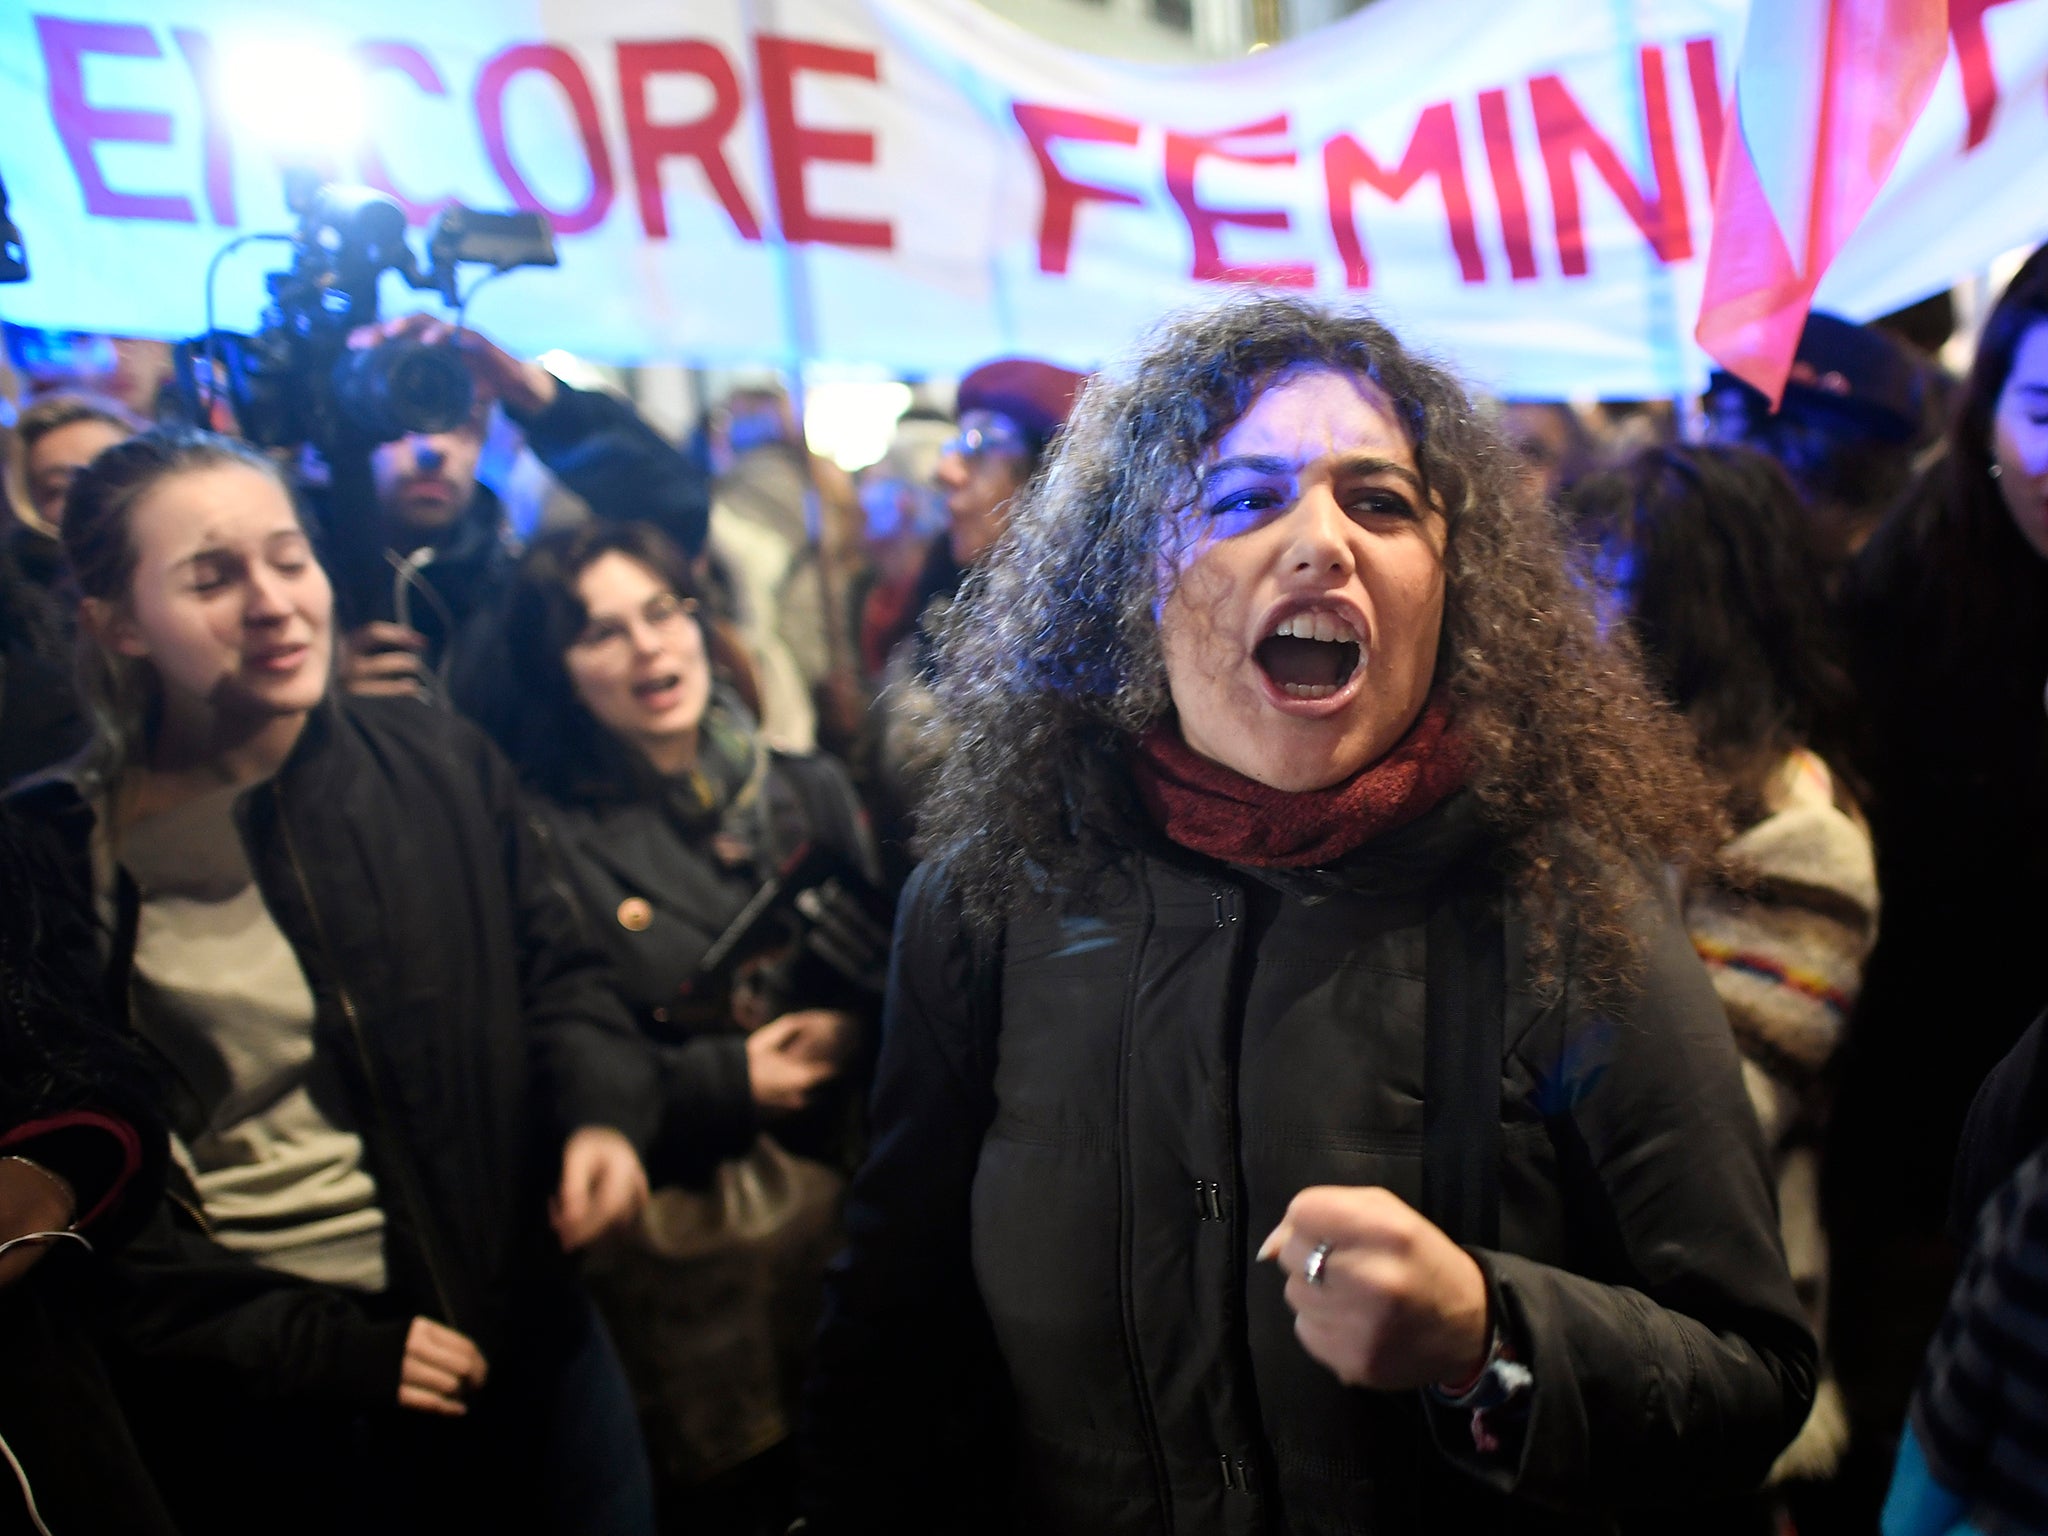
{"x": 426, "y": 480}
{"x": 978, "y": 473}
{"x": 227, "y": 603}
{"x": 640, "y": 666}
{"x": 1300, "y": 630}
{"x": 1543, "y": 432}
{"x": 57, "y": 457}
{"x": 2019, "y": 438}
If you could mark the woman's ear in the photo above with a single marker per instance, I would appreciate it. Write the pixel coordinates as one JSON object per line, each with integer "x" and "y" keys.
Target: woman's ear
{"x": 110, "y": 624}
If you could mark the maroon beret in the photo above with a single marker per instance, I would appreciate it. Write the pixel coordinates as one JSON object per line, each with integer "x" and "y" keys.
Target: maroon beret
{"x": 1037, "y": 396}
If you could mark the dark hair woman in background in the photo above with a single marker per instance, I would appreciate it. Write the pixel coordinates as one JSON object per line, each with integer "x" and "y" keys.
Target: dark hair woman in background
{"x": 673, "y": 819}
{"x": 1948, "y": 614}
{"x": 1290, "y": 900}
{"x": 1712, "y": 557}
{"x": 385, "y": 1040}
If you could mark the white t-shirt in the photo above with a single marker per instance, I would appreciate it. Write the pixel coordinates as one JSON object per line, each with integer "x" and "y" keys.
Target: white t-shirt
{"x": 218, "y": 990}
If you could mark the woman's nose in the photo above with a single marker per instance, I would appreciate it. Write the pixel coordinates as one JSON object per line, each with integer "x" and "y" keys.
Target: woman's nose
{"x": 1317, "y": 534}
{"x": 268, "y": 601}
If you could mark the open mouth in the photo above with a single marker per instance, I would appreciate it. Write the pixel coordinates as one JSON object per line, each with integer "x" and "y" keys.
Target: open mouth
{"x": 654, "y": 687}
{"x": 1311, "y": 655}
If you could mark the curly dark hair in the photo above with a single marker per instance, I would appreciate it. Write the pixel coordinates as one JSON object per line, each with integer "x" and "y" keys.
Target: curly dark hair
{"x": 1726, "y": 591}
{"x": 1051, "y": 667}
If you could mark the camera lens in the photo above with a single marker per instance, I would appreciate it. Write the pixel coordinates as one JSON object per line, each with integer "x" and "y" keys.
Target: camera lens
{"x": 403, "y": 386}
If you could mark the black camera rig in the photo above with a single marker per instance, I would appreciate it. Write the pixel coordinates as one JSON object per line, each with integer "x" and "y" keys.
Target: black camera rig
{"x": 297, "y": 380}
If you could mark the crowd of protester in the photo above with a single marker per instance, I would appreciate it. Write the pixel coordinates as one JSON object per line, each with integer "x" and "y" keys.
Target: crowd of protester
{"x": 796, "y": 999}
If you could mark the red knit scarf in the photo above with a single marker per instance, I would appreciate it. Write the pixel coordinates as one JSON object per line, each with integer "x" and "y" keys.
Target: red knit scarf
{"x": 1213, "y": 810}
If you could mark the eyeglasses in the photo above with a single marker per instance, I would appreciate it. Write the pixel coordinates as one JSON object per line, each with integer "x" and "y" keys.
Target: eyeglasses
{"x": 663, "y": 613}
{"x": 984, "y": 432}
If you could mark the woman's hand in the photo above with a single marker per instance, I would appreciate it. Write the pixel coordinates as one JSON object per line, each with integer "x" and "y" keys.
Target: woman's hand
{"x": 1397, "y": 1304}
{"x": 603, "y": 1186}
{"x": 439, "y": 1368}
{"x": 32, "y": 1199}
{"x": 789, "y": 1058}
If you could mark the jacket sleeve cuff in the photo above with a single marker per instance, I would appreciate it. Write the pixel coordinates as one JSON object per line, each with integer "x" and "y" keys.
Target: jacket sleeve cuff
{"x": 1492, "y": 1452}
{"x": 707, "y": 1111}
{"x": 96, "y": 1154}
{"x": 368, "y": 1373}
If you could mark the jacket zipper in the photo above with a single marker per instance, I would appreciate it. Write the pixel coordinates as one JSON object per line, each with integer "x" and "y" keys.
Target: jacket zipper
{"x": 409, "y": 1191}
{"x": 1238, "y": 1471}
{"x": 1147, "y": 1411}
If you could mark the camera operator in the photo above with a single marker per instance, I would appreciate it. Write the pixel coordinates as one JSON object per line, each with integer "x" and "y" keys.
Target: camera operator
{"x": 432, "y": 629}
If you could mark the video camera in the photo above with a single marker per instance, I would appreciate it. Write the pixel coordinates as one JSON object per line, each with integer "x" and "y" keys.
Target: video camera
{"x": 297, "y": 380}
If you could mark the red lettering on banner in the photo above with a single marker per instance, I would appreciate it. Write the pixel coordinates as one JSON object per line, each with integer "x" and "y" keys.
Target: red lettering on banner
{"x": 702, "y": 139}
{"x": 1184, "y": 153}
{"x": 1508, "y": 191}
{"x": 419, "y": 69}
{"x": 559, "y": 65}
{"x": 216, "y": 146}
{"x": 1704, "y": 71}
{"x": 791, "y": 145}
{"x": 1063, "y": 195}
{"x": 80, "y": 125}
{"x": 1565, "y": 134}
{"x": 1973, "y": 56}
{"x": 1433, "y": 150}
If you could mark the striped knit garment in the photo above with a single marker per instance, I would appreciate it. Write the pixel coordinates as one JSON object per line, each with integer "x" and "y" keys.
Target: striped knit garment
{"x": 1981, "y": 1411}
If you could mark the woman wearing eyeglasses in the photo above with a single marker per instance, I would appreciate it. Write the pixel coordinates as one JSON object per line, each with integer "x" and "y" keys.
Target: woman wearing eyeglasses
{"x": 1010, "y": 411}
{"x": 678, "y": 826}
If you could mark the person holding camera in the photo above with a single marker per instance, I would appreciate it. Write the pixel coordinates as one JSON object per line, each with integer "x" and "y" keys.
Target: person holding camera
{"x": 733, "y": 886}
{"x": 391, "y": 1059}
{"x": 429, "y": 623}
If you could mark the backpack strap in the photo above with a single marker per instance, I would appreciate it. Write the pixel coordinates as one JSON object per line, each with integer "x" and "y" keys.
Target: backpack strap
{"x": 1463, "y": 1042}
{"x": 1464, "y": 1037}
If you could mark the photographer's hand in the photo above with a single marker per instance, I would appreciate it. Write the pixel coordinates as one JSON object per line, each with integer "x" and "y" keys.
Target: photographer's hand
{"x": 382, "y": 658}
{"x": 525, "y": 388}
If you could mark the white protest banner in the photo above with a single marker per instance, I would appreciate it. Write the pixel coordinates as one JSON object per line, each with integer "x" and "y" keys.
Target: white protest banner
{"x": 1520, "y": 184}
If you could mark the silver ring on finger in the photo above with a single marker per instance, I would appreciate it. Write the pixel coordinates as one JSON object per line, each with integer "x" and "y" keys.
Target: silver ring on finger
{"x": 1312, "y": 1266}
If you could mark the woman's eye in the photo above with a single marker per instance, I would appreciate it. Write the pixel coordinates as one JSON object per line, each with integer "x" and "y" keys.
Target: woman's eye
{"x": 1251, "y": 499}
{"x": 1383, "y": 504}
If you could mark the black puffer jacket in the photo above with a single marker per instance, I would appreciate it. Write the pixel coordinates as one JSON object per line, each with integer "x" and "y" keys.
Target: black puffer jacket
{"x": 1050, "y": 1319}
{"x": 471, "y": 1025}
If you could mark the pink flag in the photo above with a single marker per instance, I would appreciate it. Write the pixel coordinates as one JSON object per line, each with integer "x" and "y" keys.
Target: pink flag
{"x": 1825, "y": 94}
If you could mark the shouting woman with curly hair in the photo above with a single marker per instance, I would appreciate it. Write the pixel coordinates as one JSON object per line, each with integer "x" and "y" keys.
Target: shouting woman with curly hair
{"x": 1299, "y": 894}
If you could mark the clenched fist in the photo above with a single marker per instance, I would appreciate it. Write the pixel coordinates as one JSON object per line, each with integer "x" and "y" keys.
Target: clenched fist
{"x": 1396, "y": 1304}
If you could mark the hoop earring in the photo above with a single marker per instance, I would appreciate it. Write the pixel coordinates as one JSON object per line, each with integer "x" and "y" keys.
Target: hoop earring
{"x": 1997, "y": 469}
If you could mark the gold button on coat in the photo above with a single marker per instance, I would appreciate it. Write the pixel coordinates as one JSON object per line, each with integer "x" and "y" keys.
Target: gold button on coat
{"x": 635, "y": 914}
